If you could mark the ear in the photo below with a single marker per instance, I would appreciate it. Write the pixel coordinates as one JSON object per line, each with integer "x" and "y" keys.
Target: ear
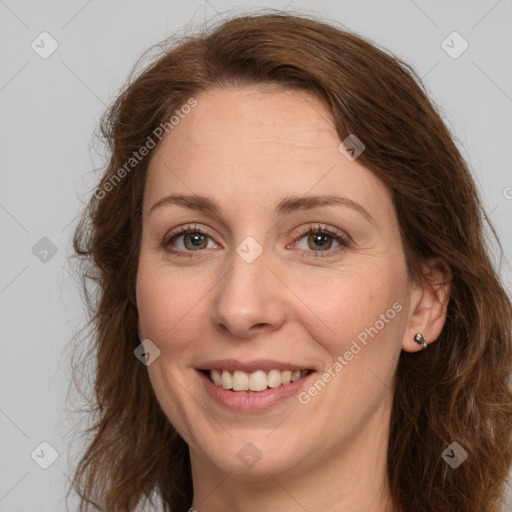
{"x": 429, "y": 296}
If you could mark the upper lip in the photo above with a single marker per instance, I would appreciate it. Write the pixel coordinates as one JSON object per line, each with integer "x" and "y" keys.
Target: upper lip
{"x": 250, "y": 366}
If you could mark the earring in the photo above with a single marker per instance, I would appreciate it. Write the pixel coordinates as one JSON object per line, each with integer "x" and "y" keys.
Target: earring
{"x": 420, "y": 340}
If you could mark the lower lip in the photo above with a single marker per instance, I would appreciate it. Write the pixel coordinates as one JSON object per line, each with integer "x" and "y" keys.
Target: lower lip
{"x": 252, "y": 400}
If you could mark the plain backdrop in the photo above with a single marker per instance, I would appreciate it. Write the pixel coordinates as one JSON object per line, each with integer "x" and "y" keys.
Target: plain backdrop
{"x": 50, "y": 106}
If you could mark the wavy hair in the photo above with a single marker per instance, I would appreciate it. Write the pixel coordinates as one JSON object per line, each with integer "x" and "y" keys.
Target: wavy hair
{"x": 458, "y": 390}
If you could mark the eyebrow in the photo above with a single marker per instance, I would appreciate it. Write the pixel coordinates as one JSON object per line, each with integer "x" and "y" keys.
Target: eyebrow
{"x": 288, "y": 204}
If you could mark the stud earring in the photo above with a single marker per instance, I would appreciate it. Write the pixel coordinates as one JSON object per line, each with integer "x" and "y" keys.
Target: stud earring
{"x": 420, "y": 340}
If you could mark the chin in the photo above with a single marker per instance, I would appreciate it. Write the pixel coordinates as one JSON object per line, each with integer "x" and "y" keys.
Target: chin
{"x": 253, "y": 454}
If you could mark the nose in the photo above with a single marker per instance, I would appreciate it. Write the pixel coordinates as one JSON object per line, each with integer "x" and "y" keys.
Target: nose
{"x": 250, "y": 300}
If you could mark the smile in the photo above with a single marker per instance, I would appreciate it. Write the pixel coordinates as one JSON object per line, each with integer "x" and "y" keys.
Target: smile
{"x": 253, "y": 386}
{"x": 259, "y": 380}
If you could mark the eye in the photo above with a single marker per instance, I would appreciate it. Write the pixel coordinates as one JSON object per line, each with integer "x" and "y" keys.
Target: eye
{"x": 319, "y": 240}
{"x": 192, "y": 239}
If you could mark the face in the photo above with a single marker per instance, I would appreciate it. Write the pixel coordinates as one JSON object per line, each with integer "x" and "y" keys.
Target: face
{"x": 268, "y": 284}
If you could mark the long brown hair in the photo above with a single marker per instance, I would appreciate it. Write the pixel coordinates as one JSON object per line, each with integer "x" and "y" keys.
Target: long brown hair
{"x": 456, "y": 391}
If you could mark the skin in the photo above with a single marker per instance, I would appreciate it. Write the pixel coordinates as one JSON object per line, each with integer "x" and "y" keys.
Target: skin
{"x": 247, "y": 148}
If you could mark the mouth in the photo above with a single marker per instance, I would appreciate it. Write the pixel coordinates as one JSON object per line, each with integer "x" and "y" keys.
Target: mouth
{"x": 256, "y": 381}
{"x": 253, "y": 386}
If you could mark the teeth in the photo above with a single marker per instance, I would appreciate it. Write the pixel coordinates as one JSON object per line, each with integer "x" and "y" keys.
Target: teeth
{"x": 255, "y": 381}
{"x": 216, "y": 377}
{"x": 274, "y": 378}
{"x": 240, "y": 381}
{"x": 226, "y": 380}
{"x": 286, "y": 376}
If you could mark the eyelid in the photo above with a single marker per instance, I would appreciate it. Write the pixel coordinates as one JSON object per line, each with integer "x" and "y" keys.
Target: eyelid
{"x": 324, "y": 229}
{"x": 180, "y": 231}
{"x": 341, "y": 237}
{"x": 344, "y": 240}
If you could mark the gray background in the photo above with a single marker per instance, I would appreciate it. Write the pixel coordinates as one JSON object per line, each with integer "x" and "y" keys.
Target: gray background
{"x": 49, "y": 111}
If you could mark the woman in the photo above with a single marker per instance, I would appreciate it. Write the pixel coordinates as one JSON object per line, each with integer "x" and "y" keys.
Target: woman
{"x": 296, "y": 308}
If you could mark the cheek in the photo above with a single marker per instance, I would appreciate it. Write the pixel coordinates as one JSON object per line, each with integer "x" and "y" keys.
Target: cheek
{"x": 357, "y": 302}
{"x": 156, "y": 305}
{"x": 168, "y": 308}
{"x": 168, "y": 301}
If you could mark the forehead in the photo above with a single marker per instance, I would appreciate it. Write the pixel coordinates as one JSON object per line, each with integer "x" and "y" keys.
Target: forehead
{"x": 252, "y": 145}
{"x": 279, "y": 122}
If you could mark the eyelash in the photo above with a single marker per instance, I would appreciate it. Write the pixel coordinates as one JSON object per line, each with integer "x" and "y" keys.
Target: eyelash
{"x": 343, "y": 239}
